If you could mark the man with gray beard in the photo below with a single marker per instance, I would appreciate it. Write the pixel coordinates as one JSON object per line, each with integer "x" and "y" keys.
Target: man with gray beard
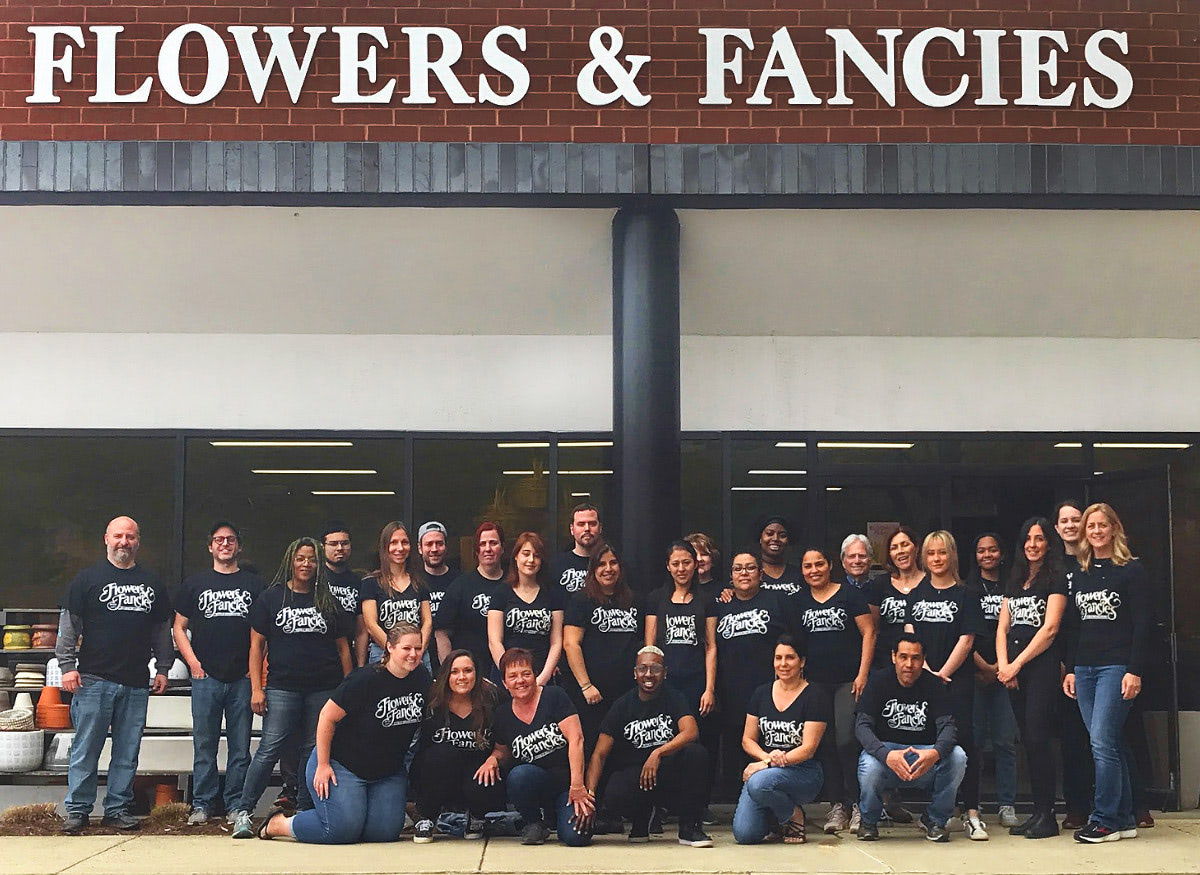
{"x": 122, "y": 611}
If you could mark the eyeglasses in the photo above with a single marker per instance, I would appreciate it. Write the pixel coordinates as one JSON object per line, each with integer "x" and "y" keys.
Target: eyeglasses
{"x": 305, "y": 560}
{"x": 744, "y": 569}
{"x": 225, "y": 539}
{"x": 345, "y": 543}
{"x": 654, "y": 669}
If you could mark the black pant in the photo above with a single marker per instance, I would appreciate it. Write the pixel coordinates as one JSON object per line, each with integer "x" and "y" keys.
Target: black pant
{"x": 1078, "y": 767}
{"x": 445, "y": 776}
{"x": 962, "y": 703}
{"x": 733, "y": 758}
{"x": 682, "y": 787}
{"x": 839, "y": 749}
{"x": 1034, "y": 703}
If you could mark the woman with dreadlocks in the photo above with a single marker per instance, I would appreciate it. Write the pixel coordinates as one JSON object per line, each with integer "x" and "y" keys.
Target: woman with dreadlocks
{"x": 300, "y": 623}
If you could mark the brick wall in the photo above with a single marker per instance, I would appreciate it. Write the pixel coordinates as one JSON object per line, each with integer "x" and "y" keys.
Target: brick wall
{"x": 1164, "y": 59}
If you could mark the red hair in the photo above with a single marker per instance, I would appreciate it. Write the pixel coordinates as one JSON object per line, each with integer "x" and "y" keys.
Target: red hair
{"x": 539, "y": 548}
{"x": 488, "y": 526}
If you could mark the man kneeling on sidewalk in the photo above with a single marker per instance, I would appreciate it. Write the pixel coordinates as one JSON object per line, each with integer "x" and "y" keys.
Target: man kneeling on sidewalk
{"x": 906, "y": 728}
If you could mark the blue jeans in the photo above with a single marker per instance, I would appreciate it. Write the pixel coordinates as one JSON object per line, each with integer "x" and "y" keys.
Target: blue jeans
{"x": 1098, "y": 690}
{"x": 97, "y": 705}
{"x": 287, "y": 710}
{"x": 212, "y": 699}
{"x": 533, "y": 790}
{"x": 995, "y": 723}
{"x": 356, "y": 810}
{"x": 941, "y": 781}
{"x": 774, "y": 790}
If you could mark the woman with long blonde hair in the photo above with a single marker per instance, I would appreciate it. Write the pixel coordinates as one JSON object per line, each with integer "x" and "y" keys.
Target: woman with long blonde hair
{"x": 1109, "y": 617}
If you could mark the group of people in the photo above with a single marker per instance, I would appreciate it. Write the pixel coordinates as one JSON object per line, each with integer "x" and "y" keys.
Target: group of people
{"x": 557, "y": 688}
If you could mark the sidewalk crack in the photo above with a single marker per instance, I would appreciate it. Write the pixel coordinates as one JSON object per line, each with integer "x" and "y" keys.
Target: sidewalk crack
{"x": 126, "y": 840}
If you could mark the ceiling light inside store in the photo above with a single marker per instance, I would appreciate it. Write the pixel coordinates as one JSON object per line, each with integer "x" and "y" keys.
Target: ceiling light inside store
{"x": 774, "y": 471}
{"x": 353, "y": 492}
{"x": 833, "y": 489}
{"x": 313, "y": 471}
{"x": 581, "y": 495}
{"x": 560, "y": 473}
{"x": 768, "y": 488}
{"x": 281, "y": 443}
{"x": 1068, "y": 445}
{"x": 535, "y": 445}
{"x": 862, "y": 445}
{"x": 1127, "y": 446}
{"x": 790, "y": 444}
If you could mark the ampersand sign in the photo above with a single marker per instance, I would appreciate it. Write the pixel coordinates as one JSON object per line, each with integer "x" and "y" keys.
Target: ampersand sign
{"x": 605, "y": 44}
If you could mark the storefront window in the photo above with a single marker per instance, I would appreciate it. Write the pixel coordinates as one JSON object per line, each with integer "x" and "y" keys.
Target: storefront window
{"x": 876, "y": 510}
{"x": 276, "y": 490}
{"x": 585, "y": 474}
{"x": 768, "y": 478}
{"x": 701, "y": 487}
{"x": 463, "y": 482}
{"x": 60, "y": 493}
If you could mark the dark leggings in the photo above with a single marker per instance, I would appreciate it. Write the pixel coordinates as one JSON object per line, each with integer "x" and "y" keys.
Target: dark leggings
{"x": 733, "y": 758}
{"x": 962, "y": 701}
{"x": 839, "y": 749}
{"x": 681, "y": 787}
{"x": 445, "y": 775}
{"x": 692, "y": 688}
{"x": 1035, "y": 702}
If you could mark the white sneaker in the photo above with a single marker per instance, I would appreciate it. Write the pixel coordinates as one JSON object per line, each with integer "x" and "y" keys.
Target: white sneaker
{"x": 837, "y": 820}
{"x": 855, "y": 819}
{"x": 1008, "y": 816}
{"x": 197, "y": 817}
{"x": 955, "y": 823}
{"x": 974, "y": 828}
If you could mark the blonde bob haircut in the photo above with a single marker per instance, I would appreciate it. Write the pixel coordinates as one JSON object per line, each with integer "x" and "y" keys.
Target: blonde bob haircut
{"x": 1120, "y": 554}
{"x": 947, "y": 541}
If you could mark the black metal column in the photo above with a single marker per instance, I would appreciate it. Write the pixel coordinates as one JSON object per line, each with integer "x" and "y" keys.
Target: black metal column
{"x": 645, "y": 515}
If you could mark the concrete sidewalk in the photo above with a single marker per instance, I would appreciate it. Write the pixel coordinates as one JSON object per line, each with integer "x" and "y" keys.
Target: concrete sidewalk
{"x": 1171, "y": 847}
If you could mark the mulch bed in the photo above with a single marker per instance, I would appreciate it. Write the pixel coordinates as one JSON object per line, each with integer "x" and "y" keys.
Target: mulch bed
{"x": 42, "y": 820}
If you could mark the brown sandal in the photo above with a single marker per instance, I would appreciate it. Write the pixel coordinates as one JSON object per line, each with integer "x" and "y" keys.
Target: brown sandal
{"x": 794, "y": 831}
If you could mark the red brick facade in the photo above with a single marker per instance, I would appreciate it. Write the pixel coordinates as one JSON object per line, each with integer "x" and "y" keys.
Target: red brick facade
{"x": 1164, "y": 59}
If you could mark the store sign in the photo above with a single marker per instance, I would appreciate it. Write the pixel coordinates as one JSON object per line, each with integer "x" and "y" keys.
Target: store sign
{"x": 610, "y": 75}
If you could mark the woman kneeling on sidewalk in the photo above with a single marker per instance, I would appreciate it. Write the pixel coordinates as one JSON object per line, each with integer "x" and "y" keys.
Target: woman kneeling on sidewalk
{"x": 356, "y": 771}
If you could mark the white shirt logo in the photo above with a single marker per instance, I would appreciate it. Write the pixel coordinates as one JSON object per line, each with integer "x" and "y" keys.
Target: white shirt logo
{"x": 481, "y": 603}
{"x": 934, "y": 612}
{"x": 614, "y": 619}
{"x": 824, "y": 620}
{"x": 400, "y": 710}
{"x": 1027, "y": 610}
{"x": 651, "y": 732}
{"x": 572, "y": 579}
{"x": 1099, "y": 605}
{"x": 903, "y": 715}
{"x": 892, "y": 610}
{"x": 780, "y": 734}
{"x": 298, "y": 621}
{"x": 461, "y": 738}
{"x": 347, "y": 596}
{"x": 787, "y": 587}
{"x": 136, "y": 597}
{"x": 680, "y": 630}
{"x": 535, "y": 745}
{"x": 224, "y": 603}
{"x": 528, "y": 621}
{"x": 746, "y": 623}
{"x": 990, "y": 605}
{"x": 395, "y": 611}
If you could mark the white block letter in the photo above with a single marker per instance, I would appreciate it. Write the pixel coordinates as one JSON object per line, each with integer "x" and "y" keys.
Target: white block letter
{"x": 847, "y": 45}
{"x": 715, "y": 65}
{"x": 504, "y": 64}
{"x": 44, "y": 62}
{"x": 1109, "y": 68}
{"x": 281, "y": 53}
{"x": 914, "y": 66}
{"x": 350, "y": 64}
{"x": 168, "y": 64}
{"x": 419, "y": 65}
{"x": 1032, "y": 68}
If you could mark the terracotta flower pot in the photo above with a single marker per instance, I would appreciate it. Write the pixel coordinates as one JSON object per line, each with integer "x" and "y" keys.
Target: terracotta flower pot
{"x": 50, "y": 696}
{"x": 165, "y": 794}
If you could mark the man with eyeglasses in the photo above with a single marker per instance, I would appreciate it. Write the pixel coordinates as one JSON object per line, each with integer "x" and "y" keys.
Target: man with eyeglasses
{"x": 122, "y": 611}
{"x": 650, "y": 733}
{"x": 214, "y": 607}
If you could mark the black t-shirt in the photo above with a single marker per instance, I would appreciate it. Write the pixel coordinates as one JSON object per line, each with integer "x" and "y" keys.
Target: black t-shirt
{"x": 681, "y": 631}
{"x": 784, "y": 730}
{"x": 527, "y": 624}
{"x": 637, "y": 727}
{"x": 904, "y": 715}
{"x": 940, "y": 617}
{"x": 612, "y": 636}
{"x": 746, "y": 635}
{"x": 383, "y": 713}
{"x": 463, "y": 614}
{"x": 345, "y": 588}
{"x": 302, "y": 648}
{"x": 1027, "y": 613}
{"x": 833, "y": 638}
{"x": 893, "y": 614}
{"x": 790, "y": 583}
{"x": 217, "y": 608}
{"x": 394, "y": 607}
{"x": 540, "y": 742}
{"x": 436, "y": 590}
{"x": 568, "y": 571}
{"x": 120, "y": 608}
{"x": 457, "y": 733}
{"x": 990, "y": 596}
{"x": 1111, "y": 615}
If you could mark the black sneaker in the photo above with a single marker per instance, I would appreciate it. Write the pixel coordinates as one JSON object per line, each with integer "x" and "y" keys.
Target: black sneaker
{"x": 868, "y": 832}
{"x": 122, "y": 820}
{"x": 894, "y": 811}
{"x": 708, "y": 818}
{"x": 639, "y": 830}
{"x": 475, "y": 827}
{"x": 424, "y": 833}
{"x": 74, "y": 824}
{"x": 656, "y": 821}
{"x": 1094, "y": 834}
{"x": 933, "y": 831}
{"x": 607, "y": 824}
{"x": 694, "y": 836}
{"x": 535, "y": 834}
